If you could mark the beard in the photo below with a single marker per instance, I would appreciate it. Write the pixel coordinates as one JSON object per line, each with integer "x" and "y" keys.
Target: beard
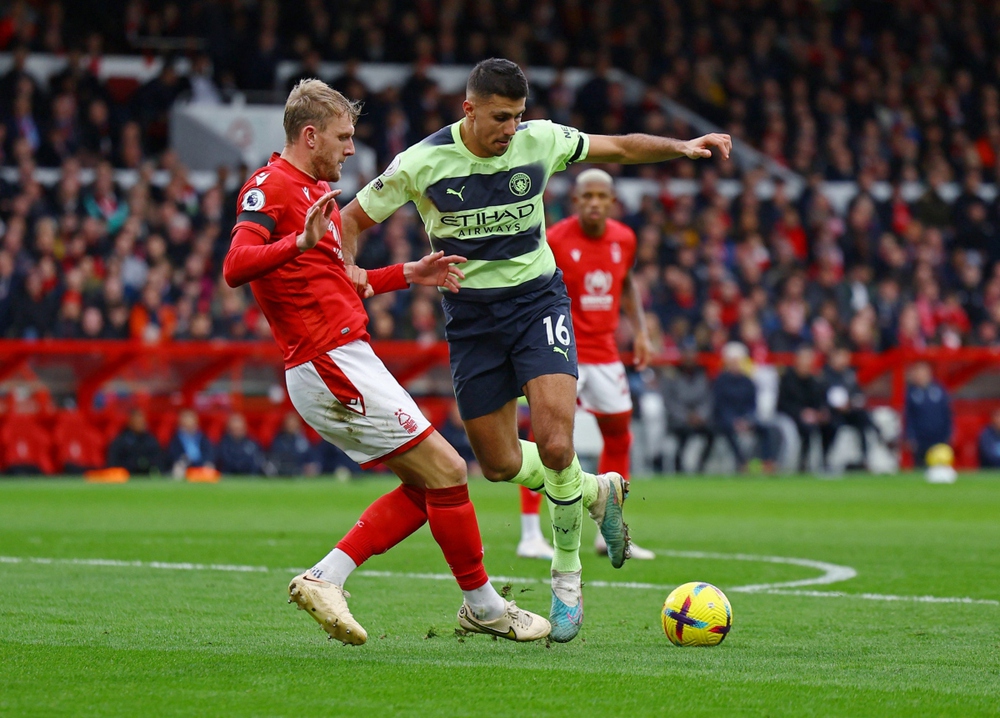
{"x": 326, "y": 170}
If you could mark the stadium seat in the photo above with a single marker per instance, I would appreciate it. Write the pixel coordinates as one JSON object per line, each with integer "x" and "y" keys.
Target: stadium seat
{"x": 26, "y": 447}
{"x": 213, "y": 423}
{"x": 263, "y": 427}
{"x": 78, "y": 444}
{"x": 966, "y": 439}
{"x": 163, "y": 426}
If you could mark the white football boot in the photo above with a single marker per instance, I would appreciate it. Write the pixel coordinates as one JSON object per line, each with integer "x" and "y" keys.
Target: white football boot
{"x": 515, "y": 624}
{"x": 634, "y": 550}
{"x": 327, "y": 604}
{"x": 535, "y": 547}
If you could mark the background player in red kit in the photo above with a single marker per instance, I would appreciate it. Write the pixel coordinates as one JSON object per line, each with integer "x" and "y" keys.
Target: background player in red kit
{"x": 287, "y": 244}
{"x": 595, "y": 254}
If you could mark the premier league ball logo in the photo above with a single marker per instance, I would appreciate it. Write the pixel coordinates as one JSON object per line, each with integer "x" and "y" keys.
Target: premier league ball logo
{"x": 253, "y": 200}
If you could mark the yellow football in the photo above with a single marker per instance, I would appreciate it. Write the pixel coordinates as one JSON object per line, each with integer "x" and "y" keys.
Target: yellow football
{"x": 697, "y": 614}
{"x": 940, "y": 455}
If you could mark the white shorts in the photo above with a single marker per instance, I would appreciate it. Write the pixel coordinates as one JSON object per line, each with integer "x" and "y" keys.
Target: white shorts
{"x": 603, "y": 389}
{"x": 350, "y": 398}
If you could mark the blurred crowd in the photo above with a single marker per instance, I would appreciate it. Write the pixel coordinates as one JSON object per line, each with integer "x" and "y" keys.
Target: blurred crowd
{"x": 235, "y": 451}
{"x": 872, "y": 92}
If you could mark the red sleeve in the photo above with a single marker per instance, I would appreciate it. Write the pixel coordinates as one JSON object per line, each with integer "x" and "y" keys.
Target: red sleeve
{"x": 387, "y": 279}
{"x": 251, "y": 258}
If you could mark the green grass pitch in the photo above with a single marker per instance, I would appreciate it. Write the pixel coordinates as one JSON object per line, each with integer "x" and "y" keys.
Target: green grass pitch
{"x": 142, "y": 636}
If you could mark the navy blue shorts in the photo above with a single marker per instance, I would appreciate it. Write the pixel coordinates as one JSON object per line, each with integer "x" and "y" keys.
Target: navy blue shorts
{"x": 498, "y": 347}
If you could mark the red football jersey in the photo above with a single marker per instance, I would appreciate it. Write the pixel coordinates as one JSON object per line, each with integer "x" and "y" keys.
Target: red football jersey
{"x": 308, "y": 300}
{"x": 594, "y": 270}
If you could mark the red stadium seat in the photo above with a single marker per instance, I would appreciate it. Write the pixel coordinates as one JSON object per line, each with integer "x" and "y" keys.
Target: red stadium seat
{"x": 163, "y": 427}
{"x": 26, "y": 447}
{"x": 263, "y": 427}
{"x": 110, "y": 423}
{"x": 213, "y": 424}
{"x": 966, "y": 440}
{"x": 78, "y": 444}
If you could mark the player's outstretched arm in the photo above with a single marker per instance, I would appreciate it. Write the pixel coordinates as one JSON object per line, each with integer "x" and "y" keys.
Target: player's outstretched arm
{"x": 640, "y": 149}
{"x": 435, "y": 270}
{"x": 353, "y": 221}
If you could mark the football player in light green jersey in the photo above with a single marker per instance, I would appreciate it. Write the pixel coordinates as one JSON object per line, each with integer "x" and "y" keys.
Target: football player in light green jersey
{"x": 478, "y": 186}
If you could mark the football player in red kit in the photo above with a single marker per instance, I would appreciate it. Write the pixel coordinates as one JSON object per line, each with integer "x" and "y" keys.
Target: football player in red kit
{"x": 595, "y": 254}
{"x": 287, "y": 245}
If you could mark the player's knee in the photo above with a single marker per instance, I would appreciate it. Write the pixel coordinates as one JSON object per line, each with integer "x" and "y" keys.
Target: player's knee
{"x": 556, "y": 452}
{"x": 454, "y": 471}
{"x": 501, "y": 470}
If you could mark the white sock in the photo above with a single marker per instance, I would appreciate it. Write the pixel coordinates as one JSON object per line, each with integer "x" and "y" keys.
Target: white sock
{"x": 485, "y": 602}
{"x": 531, "y": 527}
{"x": 335, "y": 568}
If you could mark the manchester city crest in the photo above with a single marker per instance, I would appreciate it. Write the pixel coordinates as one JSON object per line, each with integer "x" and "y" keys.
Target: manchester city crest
{"x": 520, "y": 184}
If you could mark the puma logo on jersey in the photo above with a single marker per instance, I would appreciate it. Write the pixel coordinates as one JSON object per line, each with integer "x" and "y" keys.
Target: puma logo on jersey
{"x": 562, "y": 351}
{"x": 261, "y": 177}
{"x": 457, "y": 193}
{"x": 575, "y": 254}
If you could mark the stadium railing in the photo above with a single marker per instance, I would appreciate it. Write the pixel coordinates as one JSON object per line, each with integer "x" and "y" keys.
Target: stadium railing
{"x": 98, "y": 382}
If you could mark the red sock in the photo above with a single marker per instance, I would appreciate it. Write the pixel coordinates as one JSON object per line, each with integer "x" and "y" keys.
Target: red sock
{"x": 617, "y": 433}
{"x": 452, "y": 518}
{"x": 530, "y": 501}
{"x": 385, "y": 523}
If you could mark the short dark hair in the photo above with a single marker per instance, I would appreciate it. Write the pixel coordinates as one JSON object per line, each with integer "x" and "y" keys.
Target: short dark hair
{"x": 497, "y": 76}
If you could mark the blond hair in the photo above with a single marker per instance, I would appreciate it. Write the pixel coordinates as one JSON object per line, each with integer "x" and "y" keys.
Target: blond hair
{"x": 313, "y": 102}
{"x": 595, "y": 175}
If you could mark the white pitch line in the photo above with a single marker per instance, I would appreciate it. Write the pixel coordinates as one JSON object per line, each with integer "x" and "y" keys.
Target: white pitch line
{"x": 632, "y": 585}
{"x": 832, "y": 573}
{"x": 138, "y": 564}
{"x": 884, "y": 597}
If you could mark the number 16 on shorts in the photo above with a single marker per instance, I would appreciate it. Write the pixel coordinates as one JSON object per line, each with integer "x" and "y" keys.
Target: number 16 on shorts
{"x": 559, "y": 333}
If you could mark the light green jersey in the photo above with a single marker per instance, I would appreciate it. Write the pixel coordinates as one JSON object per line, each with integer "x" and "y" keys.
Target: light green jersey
{"x": 487, "y": 209}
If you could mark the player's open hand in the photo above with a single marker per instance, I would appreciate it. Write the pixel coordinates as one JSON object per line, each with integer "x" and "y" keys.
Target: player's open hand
{"x": 359, "y": 278}
{"x": 435, "y": 270}
{"x": 701, "y": 147}
{"x": 317, "y": 221}
{"x": 642, "y": 350}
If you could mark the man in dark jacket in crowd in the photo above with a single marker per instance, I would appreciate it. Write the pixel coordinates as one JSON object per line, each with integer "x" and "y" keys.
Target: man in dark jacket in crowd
{"x": 845, "y": 399}
{"x": 734, "y": 406}
{"x": 291, "y": 453}
{"x": 135, "y": 449}
{"x": 989, "y": 443}
{"x": 927, "y": 413}
{"x": 802, "y": 397}
{"x": 237, "y": 453}
{"x": 687, "y": 396}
